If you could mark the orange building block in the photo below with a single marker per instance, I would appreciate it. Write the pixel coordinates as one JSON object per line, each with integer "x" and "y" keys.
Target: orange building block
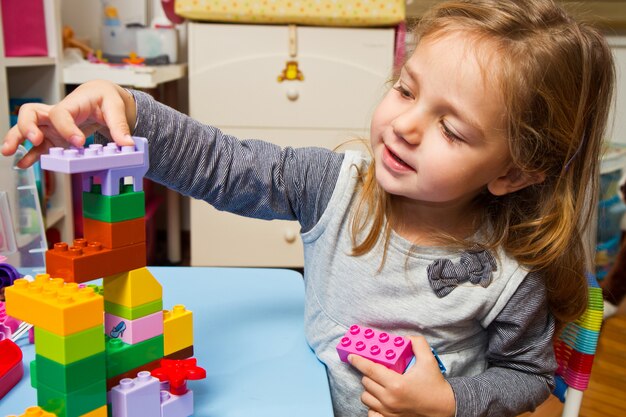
{"x": 53, "y": 305}
{"x": 115, "y": 235}
{"x": 89, "y": 260}
{"x": 98, "y": 412}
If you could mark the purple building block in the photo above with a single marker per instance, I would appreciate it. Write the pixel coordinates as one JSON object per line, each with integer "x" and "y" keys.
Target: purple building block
{"x": 108, "y": 163}
{"x": 392, "y": 351}
{"x": 176, "y": 405}
{"x": 138, "y": 397}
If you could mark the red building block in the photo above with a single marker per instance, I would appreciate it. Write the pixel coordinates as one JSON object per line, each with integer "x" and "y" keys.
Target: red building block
{"x": 177, "y": 372}
{"x": 85, "y": 261}
{"x": 392, "y": 351}
{"x": 115, "y": 235}
{"x": 11, "y": 367}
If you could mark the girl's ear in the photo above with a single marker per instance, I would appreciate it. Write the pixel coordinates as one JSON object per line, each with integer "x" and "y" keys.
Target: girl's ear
{"x": 515, "y": 179}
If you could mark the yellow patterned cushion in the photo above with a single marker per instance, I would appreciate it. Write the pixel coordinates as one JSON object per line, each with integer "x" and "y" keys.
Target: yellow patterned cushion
{"x": 304, "y": 12}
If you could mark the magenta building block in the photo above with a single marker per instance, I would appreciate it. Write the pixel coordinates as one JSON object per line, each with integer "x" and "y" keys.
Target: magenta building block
{"x": 176, "y": 405}
{"x": 8, "y": 324}
{"x": 108, "y": 163}
{"x": 137, "y": 397}
{"x": 392, "y": 351}
{"x": 133, "y": 331}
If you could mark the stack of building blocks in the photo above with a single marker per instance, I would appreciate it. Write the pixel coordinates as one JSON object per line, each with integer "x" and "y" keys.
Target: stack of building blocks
{"x": 80, "y": 350}
{"x": 70, "y": 381}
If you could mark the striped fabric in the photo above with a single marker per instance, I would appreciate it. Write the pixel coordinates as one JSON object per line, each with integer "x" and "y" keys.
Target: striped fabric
{"x": 576, "y": 346}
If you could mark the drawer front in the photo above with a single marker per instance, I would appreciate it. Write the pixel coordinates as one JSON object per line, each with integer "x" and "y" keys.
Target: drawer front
{"x": 234, "y": 69}
{"x": 223, "y": 239}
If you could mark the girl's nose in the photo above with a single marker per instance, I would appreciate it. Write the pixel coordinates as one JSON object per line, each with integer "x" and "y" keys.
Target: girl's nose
{"x": 409, "y": 126}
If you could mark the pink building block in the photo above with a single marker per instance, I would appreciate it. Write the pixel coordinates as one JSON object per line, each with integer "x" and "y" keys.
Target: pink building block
{"x": 389, "y": 350}
{"x": 8, "y": 324}
{"x": 133, "y": 331}
{"x": 176, "y": 405}
{"x": 136, "y": 397}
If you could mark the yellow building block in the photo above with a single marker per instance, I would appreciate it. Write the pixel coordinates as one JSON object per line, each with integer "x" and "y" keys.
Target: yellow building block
{"x": 132, "y": 288}
{"x": 35, "y": 412}
{"x": 177, "y": 329}
{"x": 53, "y": 305}
{"x": 98, "y": 412}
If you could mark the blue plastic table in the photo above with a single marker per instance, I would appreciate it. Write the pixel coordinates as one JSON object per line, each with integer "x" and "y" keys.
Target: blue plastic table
{"x": 248, "y": 335}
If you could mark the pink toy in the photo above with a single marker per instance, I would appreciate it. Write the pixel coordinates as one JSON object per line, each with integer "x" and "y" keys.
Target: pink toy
{"x": 391, "y": 351}
{"x": 133, "y": 331}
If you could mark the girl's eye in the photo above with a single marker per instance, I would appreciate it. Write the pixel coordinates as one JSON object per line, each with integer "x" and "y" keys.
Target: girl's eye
{"x": 449, "y": 134}
{"x": 403, "y": 91}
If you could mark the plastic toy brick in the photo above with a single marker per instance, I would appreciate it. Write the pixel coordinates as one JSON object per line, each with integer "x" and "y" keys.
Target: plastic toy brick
{"x": 132, "y": 288}
{"x": 133, "y": 313}
{"x": 72, "y": 377}
{"x": 133, "y": 331}
{"x": 181, "y": 354}
{"x": 392, "y": 351}
{"x": 137, "y": 397}
{"x": 69, "y": 349}
{"x": 85, "y": 261}
{"x": 8, "y": 324}
{"x": 98, "y": 412}
{"x": 176, "y": 405}
{"x": 11, "y": 367}
{"x": 74, "y": 403}
{"x": 8, "y": 274}
{"x": 115, "y": 235}
{"x": 94, "y": 158}
{"x": 115, "y": 380}
{"x": 54, "y": 305}
{"x": 127, "y": 205}
{"x": 122, "y": 357}
{"x": 177, "y": 329}
{"x": 177, "y": 372}
{"x": 35, "y": 412}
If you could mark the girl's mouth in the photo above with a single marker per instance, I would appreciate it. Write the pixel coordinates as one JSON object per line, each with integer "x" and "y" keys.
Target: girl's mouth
{"x": 394, "y": 162}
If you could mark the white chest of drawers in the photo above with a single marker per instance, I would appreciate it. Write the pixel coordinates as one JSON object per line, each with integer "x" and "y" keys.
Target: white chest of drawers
{"x": 233, "y": 84}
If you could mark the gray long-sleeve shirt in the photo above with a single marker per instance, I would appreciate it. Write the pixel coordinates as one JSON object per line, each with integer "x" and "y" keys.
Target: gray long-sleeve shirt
{"x": 496, "y": 341}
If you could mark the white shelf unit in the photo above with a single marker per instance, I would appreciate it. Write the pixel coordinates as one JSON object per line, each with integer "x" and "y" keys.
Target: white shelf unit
{"x": 40, "y": 77}
{"x": 233, "y": 70}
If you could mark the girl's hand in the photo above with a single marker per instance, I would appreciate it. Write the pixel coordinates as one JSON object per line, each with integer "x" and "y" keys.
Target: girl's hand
{"x": 420, "y": 391}
{"x": 93, "y": 106}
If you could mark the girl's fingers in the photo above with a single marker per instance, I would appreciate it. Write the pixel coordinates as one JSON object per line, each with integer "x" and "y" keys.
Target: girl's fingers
{"x": 370, "y": 401}
{"x": 64, "y": 123}
{"x": 12, "y": 140}
{"x": 33, "y": 155}
{"x": 114, "y": 112}
{"x": 373, "y": 387}
{"x": 31, "y": 116}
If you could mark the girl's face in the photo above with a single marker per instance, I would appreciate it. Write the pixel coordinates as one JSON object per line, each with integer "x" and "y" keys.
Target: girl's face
{"x": 438, "y": 136}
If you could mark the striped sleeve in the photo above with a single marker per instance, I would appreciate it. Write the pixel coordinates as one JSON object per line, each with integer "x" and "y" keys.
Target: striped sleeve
{"x": 252, "y": 178}
{"x": 520, "y": 374}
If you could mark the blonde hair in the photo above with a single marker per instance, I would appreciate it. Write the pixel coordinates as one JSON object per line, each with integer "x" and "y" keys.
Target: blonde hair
{"x": 556, "y": 76}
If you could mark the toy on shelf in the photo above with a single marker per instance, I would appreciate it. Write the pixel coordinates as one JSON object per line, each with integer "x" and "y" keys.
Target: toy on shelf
{"x": 90, "y": 338}
{"x": 392, "y": 351}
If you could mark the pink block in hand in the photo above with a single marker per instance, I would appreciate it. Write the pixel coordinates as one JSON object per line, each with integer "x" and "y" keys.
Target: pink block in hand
{"x": 389, "y": 350}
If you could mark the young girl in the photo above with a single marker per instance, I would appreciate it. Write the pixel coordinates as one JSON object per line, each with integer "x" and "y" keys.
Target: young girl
{"x": 462, "y": 228}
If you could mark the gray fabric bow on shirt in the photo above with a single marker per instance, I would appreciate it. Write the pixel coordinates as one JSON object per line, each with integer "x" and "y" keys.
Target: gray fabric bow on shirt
{"x": 474, "y": 267}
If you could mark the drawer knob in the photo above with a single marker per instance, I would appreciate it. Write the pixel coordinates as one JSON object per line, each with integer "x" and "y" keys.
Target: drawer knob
{"x": 293, "y": 94}
{"x": 290, "y": 236}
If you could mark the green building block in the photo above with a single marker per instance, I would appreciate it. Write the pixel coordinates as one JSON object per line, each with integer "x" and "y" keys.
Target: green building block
{"x": 127, "y": 205}
{"x": 33, "y": 374}
{"x": 72, "y": 404}
{"x": 122, "y": 357}
{"x": 72, "y": 377}
{"x": 71, "y": 348}
{"x": 134, "y": 312}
